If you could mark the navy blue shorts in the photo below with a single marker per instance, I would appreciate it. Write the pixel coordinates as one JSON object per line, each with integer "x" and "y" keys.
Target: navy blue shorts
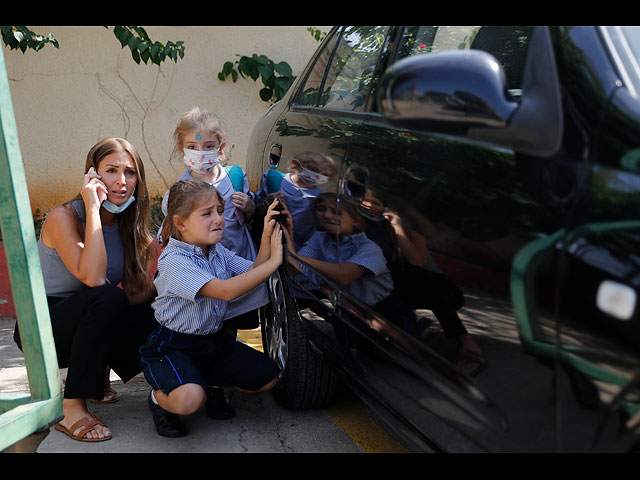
{"x": 171, "y": 359}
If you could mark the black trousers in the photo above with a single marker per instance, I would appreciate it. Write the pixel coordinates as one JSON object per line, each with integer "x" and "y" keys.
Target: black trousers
{"x": 95, "y": 328}
{"x": 424, "y": 289}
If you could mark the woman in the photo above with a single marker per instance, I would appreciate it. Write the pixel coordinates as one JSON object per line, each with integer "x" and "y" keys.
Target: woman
{"x": 95, "y": 251}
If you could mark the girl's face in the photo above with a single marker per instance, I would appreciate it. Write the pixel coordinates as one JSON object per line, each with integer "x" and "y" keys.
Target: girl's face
{"x": 119, "y": 174}
{"x": 201, "y": 141}
{"x": 205, "y": 224}
{"x": 334, "y": 221}
{"x": 307, "y": 174}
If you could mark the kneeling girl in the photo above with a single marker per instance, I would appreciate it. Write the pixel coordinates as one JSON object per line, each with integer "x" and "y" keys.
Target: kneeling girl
{"x": 197, "y": 278}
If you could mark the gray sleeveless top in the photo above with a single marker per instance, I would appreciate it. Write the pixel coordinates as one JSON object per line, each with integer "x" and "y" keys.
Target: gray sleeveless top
{"x": 59, "y": 282}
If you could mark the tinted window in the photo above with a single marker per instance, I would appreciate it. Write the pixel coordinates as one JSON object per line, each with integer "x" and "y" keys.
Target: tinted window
{"x": 508, "y": 44}
{"x": 349, "y": 79}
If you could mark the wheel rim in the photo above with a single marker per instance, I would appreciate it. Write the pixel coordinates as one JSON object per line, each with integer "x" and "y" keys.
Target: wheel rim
{"x": 276, "y": 324}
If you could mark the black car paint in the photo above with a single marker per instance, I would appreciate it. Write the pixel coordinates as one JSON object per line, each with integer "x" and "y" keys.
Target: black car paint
{"x": 528, "y": 238}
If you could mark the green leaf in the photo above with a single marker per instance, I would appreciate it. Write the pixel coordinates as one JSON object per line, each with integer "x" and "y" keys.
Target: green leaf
{"x": 266, "y": 94}
{"x": 284, "y": 69}
{"x": 226, "y": 68}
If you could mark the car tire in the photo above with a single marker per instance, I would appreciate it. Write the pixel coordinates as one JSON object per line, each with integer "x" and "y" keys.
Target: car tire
{"x": 306, "y": 381}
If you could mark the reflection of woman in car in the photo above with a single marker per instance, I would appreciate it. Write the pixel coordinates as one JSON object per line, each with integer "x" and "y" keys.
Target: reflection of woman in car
{"x": 342, "y": 253}
{"x": 418, "y": 280}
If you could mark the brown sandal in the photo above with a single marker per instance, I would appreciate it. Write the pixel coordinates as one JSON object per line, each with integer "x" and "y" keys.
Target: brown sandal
{"x": 85, "y": 425}
{"x": 110, "y": 396}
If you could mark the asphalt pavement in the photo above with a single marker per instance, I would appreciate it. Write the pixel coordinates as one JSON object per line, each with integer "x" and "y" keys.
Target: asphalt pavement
{"x": 260, "y": 426}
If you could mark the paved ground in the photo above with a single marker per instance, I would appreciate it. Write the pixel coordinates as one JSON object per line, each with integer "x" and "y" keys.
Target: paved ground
{"x": 261, "y": 426}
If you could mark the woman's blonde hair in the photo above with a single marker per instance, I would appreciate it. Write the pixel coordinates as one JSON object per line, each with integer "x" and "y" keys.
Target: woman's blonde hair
{"x": 193, "y": 119}
{"x": 134, "y": 222}
{"x": 184, "y": 196}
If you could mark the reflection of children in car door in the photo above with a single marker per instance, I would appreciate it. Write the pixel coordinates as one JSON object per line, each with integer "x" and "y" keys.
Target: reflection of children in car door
{"x": 342, "y": 253}
{"x": 307, "y": 171}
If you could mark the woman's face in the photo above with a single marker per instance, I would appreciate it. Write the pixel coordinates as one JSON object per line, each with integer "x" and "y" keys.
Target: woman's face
{"x": 118, "y": 172}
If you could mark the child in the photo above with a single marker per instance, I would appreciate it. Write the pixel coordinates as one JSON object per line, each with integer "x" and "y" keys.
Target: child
{"x": 197, "y": 278}
{"x": 299, "y": 187}
{"x": 200, "y": 140}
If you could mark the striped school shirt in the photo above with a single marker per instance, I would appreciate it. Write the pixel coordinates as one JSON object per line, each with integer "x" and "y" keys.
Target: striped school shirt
{"x": 183, "y": 269}
{"x": 372, "y": 287}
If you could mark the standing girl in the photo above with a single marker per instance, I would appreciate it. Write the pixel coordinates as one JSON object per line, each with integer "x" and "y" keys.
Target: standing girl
{"x": 197, "y": 278}
{"x": 87, "y": 247}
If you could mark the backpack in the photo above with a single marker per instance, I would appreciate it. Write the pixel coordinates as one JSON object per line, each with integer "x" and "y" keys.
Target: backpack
{"x": 237, "y": 177}
{"x": 273, "y": 180}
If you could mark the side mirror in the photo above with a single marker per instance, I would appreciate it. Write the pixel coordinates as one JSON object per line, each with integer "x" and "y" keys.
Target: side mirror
{"x": 462, "y": 92}
{"x": 450, "y": 90}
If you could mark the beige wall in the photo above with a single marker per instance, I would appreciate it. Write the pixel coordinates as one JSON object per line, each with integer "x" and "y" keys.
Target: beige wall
{"x": 67, "y": 99}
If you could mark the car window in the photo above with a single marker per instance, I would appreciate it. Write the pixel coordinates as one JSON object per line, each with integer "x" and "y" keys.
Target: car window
{"x": 507, "y": 43}
{"x": 343, "y": 77}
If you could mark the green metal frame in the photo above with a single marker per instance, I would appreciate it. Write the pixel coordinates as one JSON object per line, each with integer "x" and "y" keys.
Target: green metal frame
{"x": 522, "y": 272}
{"x": 23, "y": 414}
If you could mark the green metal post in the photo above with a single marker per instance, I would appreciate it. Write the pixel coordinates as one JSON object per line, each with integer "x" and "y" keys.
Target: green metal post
{"x": 23, "y": 414}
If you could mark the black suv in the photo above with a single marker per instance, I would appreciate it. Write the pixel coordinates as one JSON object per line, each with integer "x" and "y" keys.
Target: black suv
{"x": 515, "y": 152}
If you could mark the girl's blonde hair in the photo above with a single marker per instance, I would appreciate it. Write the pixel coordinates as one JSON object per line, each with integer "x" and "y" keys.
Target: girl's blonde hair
{"x": 184, "y": 196}
{"x": 135, "y": 222}
{"x": 193, "y": 119}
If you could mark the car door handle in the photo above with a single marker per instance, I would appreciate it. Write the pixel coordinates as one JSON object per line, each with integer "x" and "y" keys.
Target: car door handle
{"x": 274, "y": 155}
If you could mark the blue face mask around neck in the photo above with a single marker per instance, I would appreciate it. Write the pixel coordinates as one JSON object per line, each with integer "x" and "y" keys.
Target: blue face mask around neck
{"x": 110, "y": 207}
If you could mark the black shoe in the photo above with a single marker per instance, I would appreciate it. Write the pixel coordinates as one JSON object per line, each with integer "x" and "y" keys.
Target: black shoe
{"x": 217, "y": 405}
{"x": 167, "y": 424}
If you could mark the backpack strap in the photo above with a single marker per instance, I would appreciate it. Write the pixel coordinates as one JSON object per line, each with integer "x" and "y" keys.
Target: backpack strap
{"x": 237, "y": 177}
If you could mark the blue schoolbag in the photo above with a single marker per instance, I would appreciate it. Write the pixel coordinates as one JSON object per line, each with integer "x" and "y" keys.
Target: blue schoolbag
{"x": 237, "y": 177}
{"x": 273, "y": 180}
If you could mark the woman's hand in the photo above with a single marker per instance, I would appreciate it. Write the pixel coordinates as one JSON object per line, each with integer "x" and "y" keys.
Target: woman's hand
{"x": 93, "y": 191}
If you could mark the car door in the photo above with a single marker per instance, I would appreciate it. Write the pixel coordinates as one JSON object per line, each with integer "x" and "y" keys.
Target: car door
{"x": 534, "y": 240}
{"x": 465, "y": 198}
{"x": 411, "y": 378}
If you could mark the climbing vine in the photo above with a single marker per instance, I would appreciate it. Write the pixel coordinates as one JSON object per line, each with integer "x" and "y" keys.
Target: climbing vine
{"x": 136, "y": 38}
{"x": 276, "y": 77}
